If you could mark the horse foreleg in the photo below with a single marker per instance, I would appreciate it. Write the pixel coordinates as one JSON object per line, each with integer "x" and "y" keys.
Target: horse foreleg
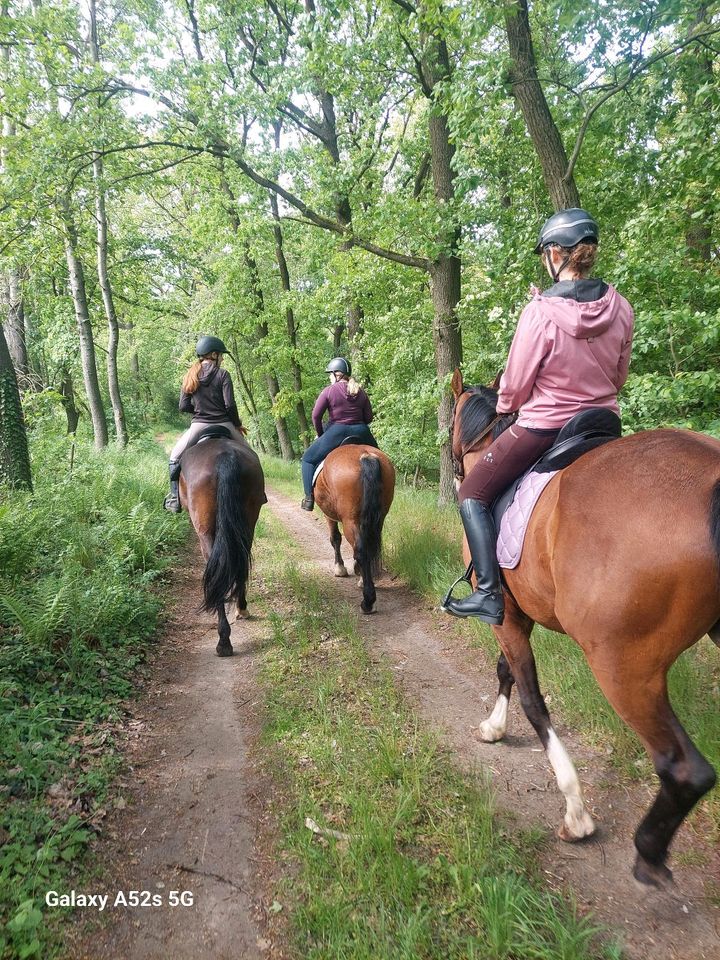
{"x": 224, "y": 647}
{"x": 495, "y": 727}
{"x": 514, "y": 639}
{"x": 638, "y": 692}
{"x": 336, "y": 540}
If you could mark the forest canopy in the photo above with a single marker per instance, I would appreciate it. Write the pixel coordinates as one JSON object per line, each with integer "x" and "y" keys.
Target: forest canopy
{"x": 357, "y": 177}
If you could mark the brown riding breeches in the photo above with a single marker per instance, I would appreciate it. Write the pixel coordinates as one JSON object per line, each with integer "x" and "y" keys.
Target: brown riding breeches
{"x": 516, "y": 449}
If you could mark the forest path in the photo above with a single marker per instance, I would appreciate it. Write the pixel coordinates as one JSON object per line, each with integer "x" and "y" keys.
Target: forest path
{"x": 453, "y": 689}
{"x": 193, "y": 799}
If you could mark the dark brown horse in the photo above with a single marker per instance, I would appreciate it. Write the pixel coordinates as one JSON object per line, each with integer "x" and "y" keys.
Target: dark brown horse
{"x": 621, "y": 554}
{"x": 355, "y": 489}
{"x": 223, "y": 487}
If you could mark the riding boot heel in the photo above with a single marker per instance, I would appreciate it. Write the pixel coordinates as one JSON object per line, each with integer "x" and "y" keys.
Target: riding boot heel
{"x": 486, "y": 603}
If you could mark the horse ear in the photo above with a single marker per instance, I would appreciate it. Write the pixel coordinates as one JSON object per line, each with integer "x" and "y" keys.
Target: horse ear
{"x": 457, "y": 383}
{"x": 496, "y": 382}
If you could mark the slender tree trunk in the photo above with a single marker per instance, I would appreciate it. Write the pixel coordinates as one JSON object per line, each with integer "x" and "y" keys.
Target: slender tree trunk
{"x": 248, "y": 398}
{"x": 14, "y": 323}
{"x": 529, "y": 94}
{"x": 68, "y": 399}
{"x": 85, "y": 333}
{"x": 697, "y": 72}
{"x": 445, "y": 271}
{"x": 14, "y": 455}
{"x": 290, "y": 324}
{"x": 121, "y": 434}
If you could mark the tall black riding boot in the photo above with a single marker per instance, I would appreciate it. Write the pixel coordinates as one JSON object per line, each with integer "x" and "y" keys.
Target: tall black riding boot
{"x": 172, "y": 500}
{"x": 486, "y": 603}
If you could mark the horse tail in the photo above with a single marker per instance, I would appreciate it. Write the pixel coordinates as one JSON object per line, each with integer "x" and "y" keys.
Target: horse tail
{"x": 228, "y": 566}
{"x": 369, "y": 541}
{"x": 714, "y": 519}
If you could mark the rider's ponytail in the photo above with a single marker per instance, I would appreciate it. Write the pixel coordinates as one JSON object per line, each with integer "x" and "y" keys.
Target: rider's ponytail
{"x": 191, "y": 380}
{"x": 353, "y": 387}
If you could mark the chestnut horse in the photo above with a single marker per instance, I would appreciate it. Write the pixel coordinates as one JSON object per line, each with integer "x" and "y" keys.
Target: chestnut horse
{"x": 355, "y": 488}
{"x": 223, "y": 487}
{"x": 621, "y": 553}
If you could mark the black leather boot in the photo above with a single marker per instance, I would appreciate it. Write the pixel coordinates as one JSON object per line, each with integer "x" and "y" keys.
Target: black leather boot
{"x": 172, "y": 500}
{"x": 486, "y": 603}
{"x": 308, "y": 503}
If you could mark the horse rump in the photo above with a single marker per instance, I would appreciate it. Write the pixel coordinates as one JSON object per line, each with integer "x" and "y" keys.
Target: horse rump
{"x": 228, "y": 567}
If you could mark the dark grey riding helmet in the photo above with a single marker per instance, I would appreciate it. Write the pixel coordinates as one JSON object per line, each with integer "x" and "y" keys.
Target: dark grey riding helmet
{"x": 567, "y": 228}
{"x": 206, "y": 345}
{"x": 338, "y": 365}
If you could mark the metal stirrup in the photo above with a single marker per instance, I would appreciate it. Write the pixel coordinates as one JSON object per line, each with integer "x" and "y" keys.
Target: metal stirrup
{"x": 464, "y": 578}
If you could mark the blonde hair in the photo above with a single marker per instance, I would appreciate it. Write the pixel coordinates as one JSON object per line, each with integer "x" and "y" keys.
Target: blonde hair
{"x": 191, "y": 380}
{"x": 353, "y": 387}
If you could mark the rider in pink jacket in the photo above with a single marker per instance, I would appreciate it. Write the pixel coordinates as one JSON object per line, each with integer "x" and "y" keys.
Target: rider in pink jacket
{"x": 570, "y": 353}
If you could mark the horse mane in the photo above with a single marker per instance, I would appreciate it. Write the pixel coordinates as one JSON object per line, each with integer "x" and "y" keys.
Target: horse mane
{"x": 478, "y": 411}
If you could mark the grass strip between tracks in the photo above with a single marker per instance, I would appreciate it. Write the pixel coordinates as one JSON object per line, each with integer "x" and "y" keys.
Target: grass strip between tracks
{"x": 421, "y": 544}
{"x": 388, "y": 851}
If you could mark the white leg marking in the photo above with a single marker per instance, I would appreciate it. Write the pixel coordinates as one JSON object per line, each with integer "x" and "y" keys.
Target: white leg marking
{"x": 340, "y": 570}
{"x": 495, "y": 727}
{"x": 577, "y": 823}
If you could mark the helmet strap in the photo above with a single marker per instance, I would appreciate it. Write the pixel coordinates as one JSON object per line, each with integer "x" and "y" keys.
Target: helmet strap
{"x": 555, "y": 274}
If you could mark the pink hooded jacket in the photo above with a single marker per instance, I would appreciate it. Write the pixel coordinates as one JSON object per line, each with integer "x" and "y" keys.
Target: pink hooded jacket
{"x": 567, "y": 355}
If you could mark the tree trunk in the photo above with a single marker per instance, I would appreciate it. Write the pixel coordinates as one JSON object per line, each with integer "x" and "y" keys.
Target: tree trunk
{"x": 121, "y": 434}
{"x": 529, "y": 94}
{"x": 446, "y": 269}
{"x": 15, "y": 323}
{"x": 248, "y": 398}
{"x": 85, "y": 333}
{"x": 290, "y": 324}
{"x": 68, "y": 400}
{"x": 697, "y": 72}
{"x": 14, "y": 455}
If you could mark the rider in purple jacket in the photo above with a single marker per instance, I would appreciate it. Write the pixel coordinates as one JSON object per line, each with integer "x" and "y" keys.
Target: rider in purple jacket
{"x": 349, "y": 413}
{"x": 570, "y": 353}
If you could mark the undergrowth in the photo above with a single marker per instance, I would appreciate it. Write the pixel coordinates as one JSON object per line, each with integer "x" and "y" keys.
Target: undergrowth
{"x": 393, "y": 853}
{"x": 78, "y": 562}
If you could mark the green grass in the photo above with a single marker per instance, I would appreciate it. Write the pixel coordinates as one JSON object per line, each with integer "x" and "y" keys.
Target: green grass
{"x": 412, "y": 860}
{"x": 79, "y": 558}
{"x": 422, "y": 545}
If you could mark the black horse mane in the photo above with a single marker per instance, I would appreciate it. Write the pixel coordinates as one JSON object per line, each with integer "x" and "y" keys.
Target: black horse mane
{"x": 478, "y": 411}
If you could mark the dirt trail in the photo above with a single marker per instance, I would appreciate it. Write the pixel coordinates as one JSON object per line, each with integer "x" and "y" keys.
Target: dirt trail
{"x": 193, "y": 802}
{"x": 454, "y": 689}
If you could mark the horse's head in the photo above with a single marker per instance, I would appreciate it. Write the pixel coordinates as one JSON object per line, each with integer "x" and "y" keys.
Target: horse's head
{"x": 475, "y": 423}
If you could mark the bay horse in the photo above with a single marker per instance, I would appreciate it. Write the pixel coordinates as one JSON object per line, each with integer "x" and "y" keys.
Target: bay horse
{"x": 621, "y": 553}
{"x": 355, "y": 488}
{"x": 223, "y": 488}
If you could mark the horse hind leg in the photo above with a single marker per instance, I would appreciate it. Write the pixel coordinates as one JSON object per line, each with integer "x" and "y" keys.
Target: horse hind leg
{"x": 514, "y": 639}
{"x": 640, "y": 697}
{"x": 495, "y": 727}
{"x": 224, "y": 647}
{"x": 336, "y": 541}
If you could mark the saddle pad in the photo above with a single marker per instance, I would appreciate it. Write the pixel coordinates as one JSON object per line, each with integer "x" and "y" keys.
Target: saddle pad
{"x": 513, "y": 525}
{"x": 318, "y": 468}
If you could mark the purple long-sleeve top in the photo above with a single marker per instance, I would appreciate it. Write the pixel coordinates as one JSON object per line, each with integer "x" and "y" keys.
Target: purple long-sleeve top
{"x": 341, "y": 406}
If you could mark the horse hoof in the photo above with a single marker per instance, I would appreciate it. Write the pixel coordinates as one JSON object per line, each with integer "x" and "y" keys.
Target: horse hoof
{"x": 578, "y": 829}
{"x": 360, "y": 583}
{"x": 489, "y": 733}
{"x": 340, "y": 570}
{"x": 367, "y": 608}
{"x": 652, "y": 875}
{"x": 242, "y": 614}
{"x": 224, "y": 650}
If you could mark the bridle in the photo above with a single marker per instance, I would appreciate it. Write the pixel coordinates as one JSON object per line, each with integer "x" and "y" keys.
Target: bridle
{"x": 460, "y": 451}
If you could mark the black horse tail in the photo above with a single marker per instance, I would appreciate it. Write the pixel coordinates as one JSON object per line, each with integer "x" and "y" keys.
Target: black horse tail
{"x": 228, "y": 567}
{"x": 369, "y": 539}
{"x": 714, "y": 519}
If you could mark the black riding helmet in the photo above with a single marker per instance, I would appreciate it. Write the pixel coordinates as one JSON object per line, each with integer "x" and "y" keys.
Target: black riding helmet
{"x": 206, "y": 345}
{"x": 567, "y": 228}
{"x": 338, "y": 365}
